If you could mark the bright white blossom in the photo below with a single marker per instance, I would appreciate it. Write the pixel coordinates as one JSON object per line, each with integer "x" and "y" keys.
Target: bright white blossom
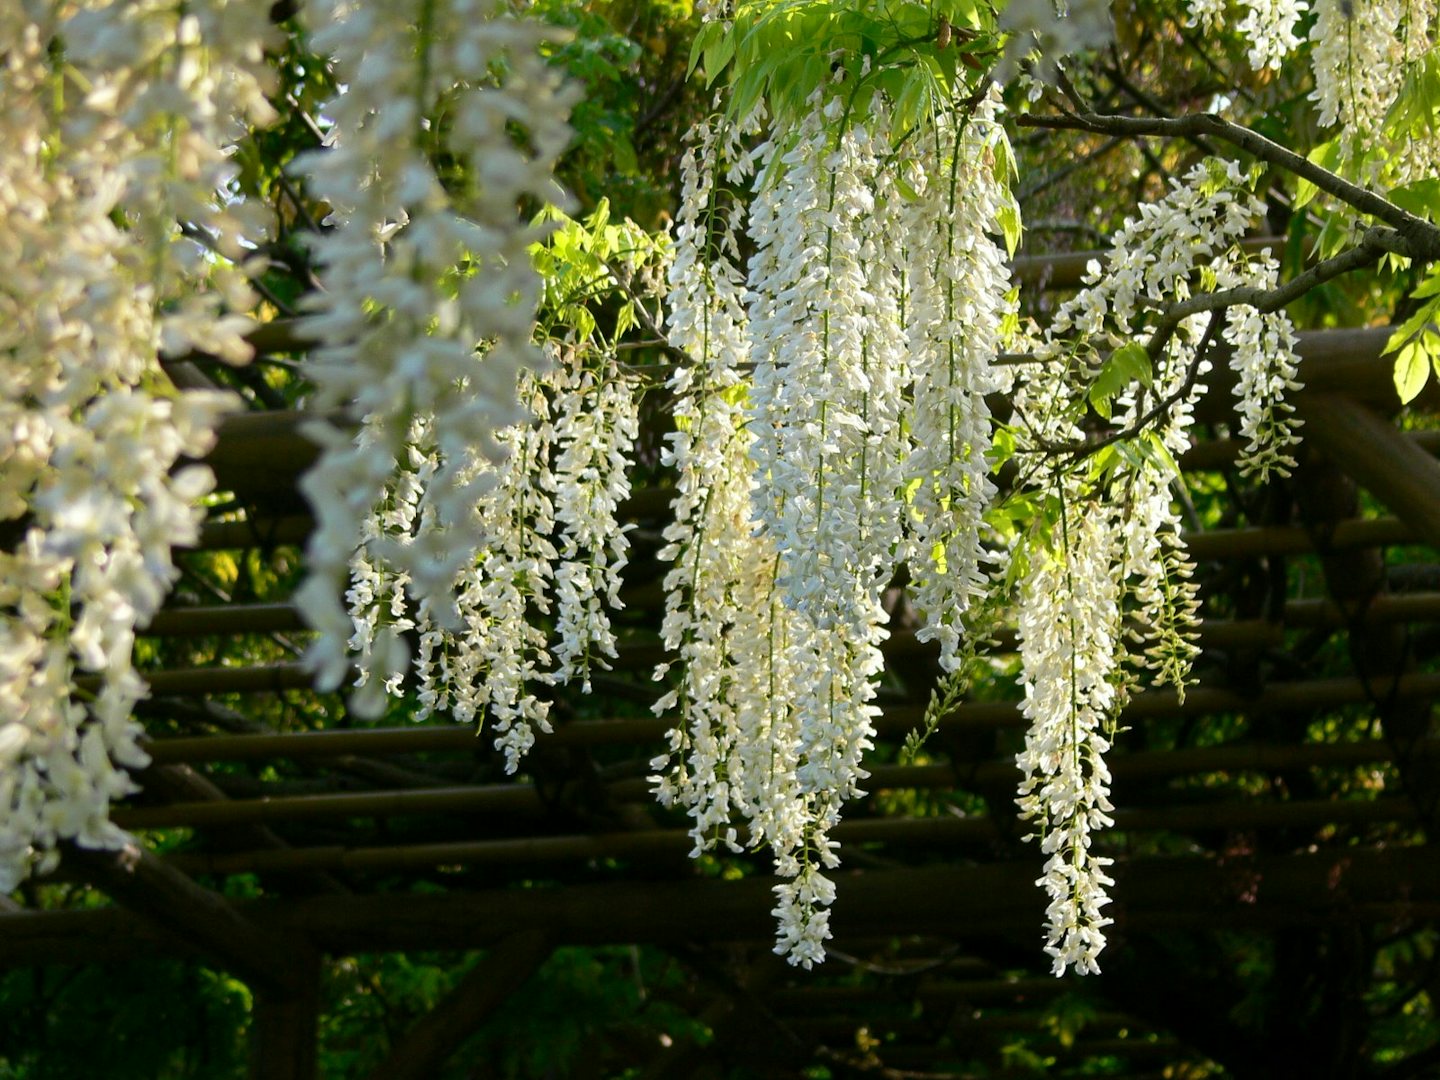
{"x": 957, "y": 281}
{"x": 1267, "y": 27}
{"x": 451, "y": 356}
{"x": 830, "y": 371}
{"x": 596, "y": 425}
{"x": 1070, "y": 647}
{"x": 1361, "y": 52}
{"x": 99, "y": 281}
{"x": 1266, "y": 368}
{"x": 1114, "y": 554}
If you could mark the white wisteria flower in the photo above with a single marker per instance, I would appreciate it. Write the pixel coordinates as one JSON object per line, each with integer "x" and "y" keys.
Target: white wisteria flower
{"x": 100, "y": 281}
{"x": 451, "y": 355}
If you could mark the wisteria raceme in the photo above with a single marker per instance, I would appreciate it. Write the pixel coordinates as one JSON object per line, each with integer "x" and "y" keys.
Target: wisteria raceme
{"x": 1118, "y": 548}
{"x": 1069, "y": 627}
{"x": 492, "y": 666}
{"x": 710, "y": 618}
{"x": 1360, "y": 50}
{"x": 1266, "y": 367}
{"x": 1269, "y": 26}
{"x": 498, "y": 661}
{"x": 91, "y": 431}
{"x": 376, "y": 599}
{"x": 1153, "y": 565}
{"x": 735, "y": 748}
{"x": 829, "y": 377}
{"x": 957, "y": 281}
{"x": 452, "y": 355}
{"x": 552, "y": 547}
{"x": 596, "y": 425}
{"x": 1355, "y": 57}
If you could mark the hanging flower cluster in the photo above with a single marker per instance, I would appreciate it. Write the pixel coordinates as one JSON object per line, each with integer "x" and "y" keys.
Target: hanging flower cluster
{"x": 546, "y": 513}
{"x": 954, "y": 313}
{"x": 830, "y": 406}
{"x": 1113, "y": 554}
{"x": 1070, "y": 643}
{"x": 429, "y": 302}
{"x": 863, "y": 443}
{"x": 114, "y": 121}
{"x": 723, "y": 611}
{"x": 1360, "y": 53}
{"x": 1268, "y": 27}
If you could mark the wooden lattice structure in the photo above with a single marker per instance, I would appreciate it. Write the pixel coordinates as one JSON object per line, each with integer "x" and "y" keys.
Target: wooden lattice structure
{"x": 1240, "y": 807}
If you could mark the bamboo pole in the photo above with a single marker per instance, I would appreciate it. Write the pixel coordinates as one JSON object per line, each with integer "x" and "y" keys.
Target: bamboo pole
{"x": 229, "y": 619}
{"x": 1372, "y": 452}
{"x": 514, "y": 800}
{"x": 672, "y": 845}
{"x": 1215, "y": 454}
{"x": 375, "y": 742}
{"x": 520, "y": 799}
{"x": 953, "y": 901}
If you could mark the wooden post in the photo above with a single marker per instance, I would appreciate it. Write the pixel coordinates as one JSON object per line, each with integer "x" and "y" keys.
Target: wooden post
{"x": 156, "y": 890}
{"x": 1372, "y": 452}
{"x": 437, "y": 1035}
{"x": 284, "y": 1022}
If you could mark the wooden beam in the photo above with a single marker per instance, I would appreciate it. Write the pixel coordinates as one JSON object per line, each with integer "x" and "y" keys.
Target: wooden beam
{"x": 157, "y": 891}
{"x": 285, "y": 1022}
{"x": 1378, "y": 457}
{"x": 893, "y": 722}
{"x": 673, "y": 845}
{"x": 437, "y": 1035}
{"x": 950, "y": 901}
{"x": 182, "y": 785}
{"x": 524, "y": 800}
{"x": 227, "y": 619}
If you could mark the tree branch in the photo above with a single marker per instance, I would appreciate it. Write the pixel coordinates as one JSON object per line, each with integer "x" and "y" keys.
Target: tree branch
{"x": 1421, "y": 239}
{"x": 1375, "y": 243}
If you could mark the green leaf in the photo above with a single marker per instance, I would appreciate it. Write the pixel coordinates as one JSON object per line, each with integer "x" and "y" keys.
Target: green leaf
{"x": 1429, "y": 286}
{"x": 718, "y": 55}
{"x": 1002, "y": 446}
{"x": 709, "y": 33}
{"x": 1412, "y": 326}
{"x": 1327, "y": 156}
{"x": 1009, "y": 218}
{"x": 1412, "y": 369}
{"x": 1422, "y": 198}
{"x": 1128, "y": 364}
{"x": 1153, "y": 449}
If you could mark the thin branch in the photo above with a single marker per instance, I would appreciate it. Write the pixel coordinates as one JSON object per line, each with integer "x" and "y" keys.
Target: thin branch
{"x": 1372, "y": 246}
{"x": 1158, "y": 339}
{"x": 646, "y": 320}
{"x": 1034, "y": 188}
{"x": 1375, "y": 243}
{"x": 1420, "y": 238}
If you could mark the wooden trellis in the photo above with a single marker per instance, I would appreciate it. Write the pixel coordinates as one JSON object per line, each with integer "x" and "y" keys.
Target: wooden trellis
{"x": 940, "y": 909}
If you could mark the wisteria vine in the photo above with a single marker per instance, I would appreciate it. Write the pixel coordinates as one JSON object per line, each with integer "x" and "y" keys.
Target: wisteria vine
{"x": 833, "y": 303}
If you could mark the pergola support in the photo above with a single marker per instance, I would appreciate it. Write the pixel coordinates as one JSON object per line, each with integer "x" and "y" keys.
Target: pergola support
{"x": 205, "y": 920}
{"x": 1347, "y": 886}
{"x": 284, "y": 1022}
{"x": 282, "y": 970}
{"x": 438, "y": 1034}
{"x": 1378, "y": 457}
